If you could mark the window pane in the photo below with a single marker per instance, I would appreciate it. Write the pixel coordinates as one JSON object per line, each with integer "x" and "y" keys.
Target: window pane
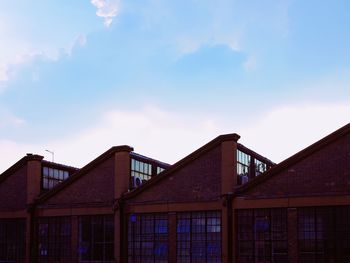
{"x": 262, "y": 235}
{"x": 12, "y": 240}
{"x": 148, "y": 238}
{"x": 199, "y": 237}
{"x": 96, "y": 238}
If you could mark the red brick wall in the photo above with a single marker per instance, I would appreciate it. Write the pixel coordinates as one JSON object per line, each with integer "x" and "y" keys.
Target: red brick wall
{"x": 199, "y": 180}
{"x": 325, "y": 172}
{"x": 95, "y": 186}
{"x": 13, "y": 191}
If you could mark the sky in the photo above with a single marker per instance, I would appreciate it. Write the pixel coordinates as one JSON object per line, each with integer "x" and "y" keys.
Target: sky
{"x": 165, "y": 77}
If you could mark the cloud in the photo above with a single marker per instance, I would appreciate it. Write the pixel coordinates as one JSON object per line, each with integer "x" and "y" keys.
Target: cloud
{"x": 4, "y": 75}
{"x": 160, "y": 134}
{"x": 12, "y": 151}
{"x": 250, "y": 63}
{"x": 170, "y": 136}
{"x": 10, "y": 64}
{"x": 285, "y": 130}
{"x": 7, "y": 67}
{"x": 8, "y": 119}
{"x": 107, "y": 9}
{"x": 79, "y": 41}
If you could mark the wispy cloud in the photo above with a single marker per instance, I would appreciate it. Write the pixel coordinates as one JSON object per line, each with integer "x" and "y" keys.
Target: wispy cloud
{"x": 250, "y": 63}
{"x": 107, "y": 9}
{"x": 10, "y": 64}
{"x": 8, "y": 119}
{"x": 79, "y": 41}
{"x": 170, "y": 136}
{"x": 150, "y": 130}
{"x": 283, "y": 131}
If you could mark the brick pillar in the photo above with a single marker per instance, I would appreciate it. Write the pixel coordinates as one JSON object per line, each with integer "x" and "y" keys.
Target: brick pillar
{"x": 172, "y": 237}
{"x": 28, "y": 239}
{"x": 228, "y": 182}
{"x": 33, "y": 191}
{"x": 228, "y": 166}
{"x": 33, "y": 177}
{"x": 121, "y": 186}
{"x": 74, "y": 238}
{"x": 227, "y": 229}
{"x": 292, "y": 235}
{"x": 234, "y": 236}
{"x": 224, "y": 233}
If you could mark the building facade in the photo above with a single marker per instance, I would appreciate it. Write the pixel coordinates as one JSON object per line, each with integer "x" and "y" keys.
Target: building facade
{"x": 221, "y": 203}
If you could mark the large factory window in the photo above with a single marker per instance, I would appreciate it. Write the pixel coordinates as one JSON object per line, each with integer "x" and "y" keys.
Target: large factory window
{"x": 54, "y": 239}
{"x": 262, "y": 235}
{"x": 96, "y": 239}
{"x": 148, "y": 238}
{"x": 199, "y": 237}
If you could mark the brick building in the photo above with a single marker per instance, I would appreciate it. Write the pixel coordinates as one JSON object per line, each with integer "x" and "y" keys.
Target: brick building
{"x": 222, "y": 203}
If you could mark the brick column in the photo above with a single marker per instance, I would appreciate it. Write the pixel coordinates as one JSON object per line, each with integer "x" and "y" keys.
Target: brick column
{"x": 33, "y": 177}
{"x": 28, "y": 245}
{"x": 121, "y": 186}
{"x": 33, "y": 191}
{"x": 172, "y": 237}
{"x": 74, "y": 238}
{"x": 228, "y": 166}
{"x": 292, "y": 218}
{"x": 224, "y": 233}
{"x": 228, "y": 183}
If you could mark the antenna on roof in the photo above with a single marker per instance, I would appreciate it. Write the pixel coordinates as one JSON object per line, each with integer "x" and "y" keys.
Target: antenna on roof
{"x": 52, "y": 154}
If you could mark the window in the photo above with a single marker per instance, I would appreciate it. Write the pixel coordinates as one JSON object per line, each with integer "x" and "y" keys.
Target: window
{"x": 260, "y": 167}
{"x": 199, "y": 237}
{"x": 51, "y": 177}
{"x": 141, "y": 171}
{"x": 248, "y": 167}
{"x": 96, "y": 239}
{"x": 324, "y": 234}
{"x": 12, "y": 240}
{"x": 262, "y": 235}
{"x": 243, "y": 163}
{"x": 159, "y": 169}
{"x": 54, "y": 239}
{"x": 148, "y": 238}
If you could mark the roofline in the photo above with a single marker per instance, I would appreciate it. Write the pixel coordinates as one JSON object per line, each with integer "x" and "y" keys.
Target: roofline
{"x": 83, "y": 171}
{"x": 137, "y": 155}
{"x": 295, "y": 158}
{"x": 178, "y": 165}
{"x": 59, "y": 165}
{"x": 19, "y": 164}
{"x": 255, "y": 154}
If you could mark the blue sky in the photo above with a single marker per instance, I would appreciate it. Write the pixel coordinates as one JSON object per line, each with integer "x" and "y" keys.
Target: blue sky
{"x": 165, "y": 77}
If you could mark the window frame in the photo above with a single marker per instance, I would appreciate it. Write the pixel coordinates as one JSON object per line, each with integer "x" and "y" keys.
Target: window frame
{"x": 258, "y": 230}
{"x": 54, "y": 236}
{"x": 194, "y": 235}
{"x": 94, "y": 223}
{"x": 138, "y": 237}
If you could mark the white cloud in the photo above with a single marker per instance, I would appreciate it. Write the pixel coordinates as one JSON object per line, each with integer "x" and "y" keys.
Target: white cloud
{"x": 12, "y": 151}
{"x": 286, "y": 130}
{"x": 9, "y": 63}
{"x": 8, "y": 119}
{"x": 250, "y": 63}
{"x": 107, "y": 9}
{"x": 4, "y": 75}
{"x": 9, "y": 66}
{"x": 170, "y": 136}
{"x": 79, "y": 41}
{"x": 151, "y": 131}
